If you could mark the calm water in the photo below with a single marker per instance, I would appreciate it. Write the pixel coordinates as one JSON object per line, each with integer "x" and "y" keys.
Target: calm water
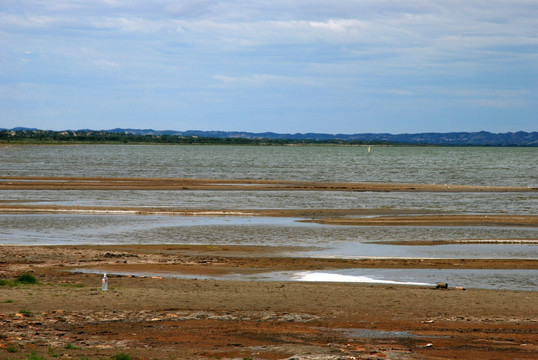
{"x": 451, "y": 165}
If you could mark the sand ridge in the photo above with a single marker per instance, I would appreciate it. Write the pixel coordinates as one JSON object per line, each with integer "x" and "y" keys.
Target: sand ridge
{"x": 102, "y": 183}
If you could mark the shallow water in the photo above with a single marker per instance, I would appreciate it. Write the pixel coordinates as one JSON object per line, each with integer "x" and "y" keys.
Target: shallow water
{"x": 479, "y": 203}
{"x": 330, "y": 240}
{"x": 526, "y": 280}
{"x": 379, "y": 334}
{"x": 521, "y": 280}
{"x": 430, "y": 165}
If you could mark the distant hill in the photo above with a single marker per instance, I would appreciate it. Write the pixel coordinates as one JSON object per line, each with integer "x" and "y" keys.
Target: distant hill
{"x": 482, "y": 138}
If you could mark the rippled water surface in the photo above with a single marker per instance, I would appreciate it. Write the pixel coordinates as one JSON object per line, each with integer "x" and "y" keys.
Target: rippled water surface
{"x": 487, "y": 203}
{"x": 440, "y": 165}
{"x": 430, "y": 165}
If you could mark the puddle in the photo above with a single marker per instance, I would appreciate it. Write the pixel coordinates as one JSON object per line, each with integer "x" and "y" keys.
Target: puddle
{"x": 499, "y": 279}
{"x": 379, "y": 334}
{"x": 319, "y": 276}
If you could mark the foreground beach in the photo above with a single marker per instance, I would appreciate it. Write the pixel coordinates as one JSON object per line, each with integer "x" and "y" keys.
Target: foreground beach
{"x": 159, "y": 317}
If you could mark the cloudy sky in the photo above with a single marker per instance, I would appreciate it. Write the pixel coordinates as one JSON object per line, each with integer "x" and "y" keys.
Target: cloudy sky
{"x": 338, "y": 66}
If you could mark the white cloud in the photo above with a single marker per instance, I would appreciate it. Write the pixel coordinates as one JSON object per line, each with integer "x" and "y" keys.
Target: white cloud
{"x": 254, "y": 80}
{"x": 382, "y": 23}
{"x": 127, "y": 24}
{"x": 105, "y": 63}
{"x": 339, "y": 25}
{"x": 226, "y": 79}
{"x": 11, "y": 21}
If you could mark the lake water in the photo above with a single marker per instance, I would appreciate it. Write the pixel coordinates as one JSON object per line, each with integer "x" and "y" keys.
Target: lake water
{"x": 430, "y": 165}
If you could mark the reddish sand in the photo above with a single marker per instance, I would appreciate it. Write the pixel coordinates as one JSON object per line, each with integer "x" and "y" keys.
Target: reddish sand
{"x": 165, "y": 318}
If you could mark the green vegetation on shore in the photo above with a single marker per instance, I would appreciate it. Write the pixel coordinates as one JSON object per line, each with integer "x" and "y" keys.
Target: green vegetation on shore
{"x": 22, "y": 279}
{"x": 104, "y": 137}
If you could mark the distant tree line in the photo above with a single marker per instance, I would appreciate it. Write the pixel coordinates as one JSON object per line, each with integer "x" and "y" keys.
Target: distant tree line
{"x": 104, "y": 137}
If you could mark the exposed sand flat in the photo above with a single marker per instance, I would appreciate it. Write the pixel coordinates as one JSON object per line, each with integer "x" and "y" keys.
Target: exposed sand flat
{"x": 161, "y": 318}
{"x": 435, "y": 220}
{"x": 94, "y": 183}
{"x": 228, "y": 258}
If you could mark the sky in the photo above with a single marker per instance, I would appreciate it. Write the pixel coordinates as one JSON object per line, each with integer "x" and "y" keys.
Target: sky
{"x": 286, "y": 66}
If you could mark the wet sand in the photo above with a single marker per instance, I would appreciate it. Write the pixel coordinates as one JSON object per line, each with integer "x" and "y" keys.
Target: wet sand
{"x": 158, "y": 317}
{"x": 100, "y": 183}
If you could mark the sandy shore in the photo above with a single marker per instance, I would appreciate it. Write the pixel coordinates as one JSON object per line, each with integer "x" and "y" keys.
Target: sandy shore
{"x": 99, "y": 183}
{"x": 156, "y": 317}
{"x": 68, "y": 316}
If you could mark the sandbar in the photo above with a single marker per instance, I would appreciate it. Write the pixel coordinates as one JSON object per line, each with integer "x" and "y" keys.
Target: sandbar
{"x": 102, "y": 183}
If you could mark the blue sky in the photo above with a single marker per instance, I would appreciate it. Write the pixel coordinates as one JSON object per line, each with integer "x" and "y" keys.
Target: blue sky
{"x": 339, "y": 66}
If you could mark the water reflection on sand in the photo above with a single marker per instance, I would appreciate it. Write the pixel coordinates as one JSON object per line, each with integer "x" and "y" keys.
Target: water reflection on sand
{"x": 523, "y": 280}
{"x": 329, "y": 240}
